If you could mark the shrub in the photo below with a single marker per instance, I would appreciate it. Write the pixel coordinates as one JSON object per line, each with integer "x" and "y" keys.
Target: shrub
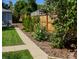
{"x": 66, "y": 24}
{"x": 28, "y": 24}
{"x": 56, "y": 40}
{"x": 67, "y": 41}
{"x": 40, "y": 33}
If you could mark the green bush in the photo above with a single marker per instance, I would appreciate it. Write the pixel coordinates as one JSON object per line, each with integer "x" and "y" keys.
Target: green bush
{"x": 67, "y": 41}
{"x": 56, "y": 40}
{"x": 28, "y": 24}
{"x": 66, "y": 24}
{"x": 40, "y": 33}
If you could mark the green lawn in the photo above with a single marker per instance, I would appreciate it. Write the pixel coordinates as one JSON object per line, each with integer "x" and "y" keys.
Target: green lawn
{"x": 10, "y": 37}
{"x": 17, "y": 55}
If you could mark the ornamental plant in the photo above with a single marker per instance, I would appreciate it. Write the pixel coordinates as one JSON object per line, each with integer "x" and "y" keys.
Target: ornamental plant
{"x": 40, "y": 33}
{"x": 28, "y": 23}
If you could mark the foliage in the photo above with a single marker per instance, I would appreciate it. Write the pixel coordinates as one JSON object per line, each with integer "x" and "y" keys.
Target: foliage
{"x": 15, "y": 17}
{"x": 40, "y": 33}
{"x": 28, "y": 23}
{"x": 32, "y": 4}
{"x": 23, "y": 7}
{"x": 37, "y": 19}
{"x": 66, "y": 23}
{"x": 11, "y": 5}
{"x": 56, "y": 40}
{"x": 40, "y": 6}
{"x": 19, "y": 10}
{"x": 5, "y": 6}
{"x": 19, "y": 6}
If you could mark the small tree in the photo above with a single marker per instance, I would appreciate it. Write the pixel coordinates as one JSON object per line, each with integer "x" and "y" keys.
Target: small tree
{"x": 25, "y": 7}
{"x": 66, "y": 24}
{"x": 11, "y": 5}
{"x": 32, "y": 4}
{"x": 5, "y": 6}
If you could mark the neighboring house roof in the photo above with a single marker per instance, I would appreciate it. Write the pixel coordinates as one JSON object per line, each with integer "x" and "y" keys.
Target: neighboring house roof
{"x": 6, "y": 10}
{"x": 38, "y": 13}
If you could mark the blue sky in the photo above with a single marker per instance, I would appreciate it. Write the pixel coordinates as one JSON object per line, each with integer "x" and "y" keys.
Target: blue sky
{"x": 40, "y": 1}
{"x": 14, "y": 1}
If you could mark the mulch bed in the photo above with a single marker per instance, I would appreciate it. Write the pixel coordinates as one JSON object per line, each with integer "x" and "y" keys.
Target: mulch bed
{"x": 46, "y": 47}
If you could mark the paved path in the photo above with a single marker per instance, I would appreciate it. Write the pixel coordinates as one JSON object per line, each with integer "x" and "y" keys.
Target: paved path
{"x": 35, "y": 51}
{"x": 14, "y": 48}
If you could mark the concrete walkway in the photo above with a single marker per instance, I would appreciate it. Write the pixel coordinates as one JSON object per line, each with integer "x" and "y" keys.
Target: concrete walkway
{"x": 35, "y": 51}
{"x": 14, "y": 48}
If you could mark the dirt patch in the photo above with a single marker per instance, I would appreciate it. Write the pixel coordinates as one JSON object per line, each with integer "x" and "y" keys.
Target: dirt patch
{"x": 46, "y": 47}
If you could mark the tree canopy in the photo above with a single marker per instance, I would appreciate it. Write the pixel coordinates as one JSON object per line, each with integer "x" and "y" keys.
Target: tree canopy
{"x": 25, "y": 7}
{"x": 5, "y": 6}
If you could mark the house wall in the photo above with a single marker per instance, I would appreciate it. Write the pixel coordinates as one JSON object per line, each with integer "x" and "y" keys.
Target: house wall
{"x": 6, "y": 17}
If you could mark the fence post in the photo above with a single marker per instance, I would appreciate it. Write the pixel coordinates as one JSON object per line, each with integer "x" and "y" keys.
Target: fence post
{"x": 47, "y": 21}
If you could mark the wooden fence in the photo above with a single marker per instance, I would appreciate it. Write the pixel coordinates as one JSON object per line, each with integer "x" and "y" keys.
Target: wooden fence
{"x": 43, "y": 21}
